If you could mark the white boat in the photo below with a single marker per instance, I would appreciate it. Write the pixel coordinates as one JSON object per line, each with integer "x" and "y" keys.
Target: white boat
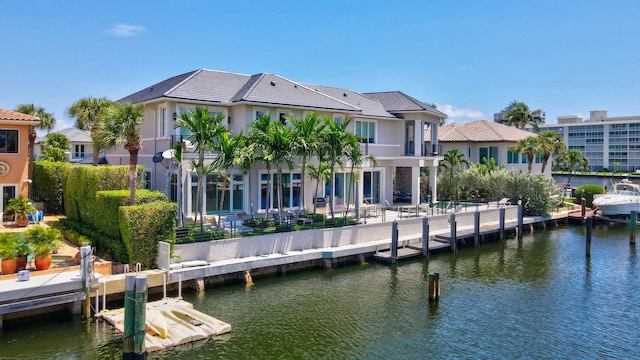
{"x": 622, "y": 200}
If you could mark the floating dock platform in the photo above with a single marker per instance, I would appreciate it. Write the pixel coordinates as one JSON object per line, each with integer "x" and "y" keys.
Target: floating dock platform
{"x": 170, "y": 322}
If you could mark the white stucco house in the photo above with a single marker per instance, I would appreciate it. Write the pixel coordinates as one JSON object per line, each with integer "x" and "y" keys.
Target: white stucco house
{"x": 391, "y": 123}
{"x": 487, "y": 139}
{"x": 80, "y": 147}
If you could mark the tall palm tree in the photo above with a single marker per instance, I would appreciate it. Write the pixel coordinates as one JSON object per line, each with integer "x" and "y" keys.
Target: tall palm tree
{"x": 306, "y": 133}
{"x": 453, "y": 162}
{"x": 279, "y": 151}
{"x": 203, "y": 129}
{"x": 320, "y": 173}
{"x": 244, "y": 158}
{"x": 225, "y": 146}
{"x": 356, "y": 158}
{"x": 47, "y": 122}
{"x": 260, "y": 136}
{"x": 550, "y": 143}
{"x": 528, "y": 146}
{"x": 88, "y": 112}
{"x": 122, "y": 124}
{"x": 335, "y": 138}
{"x": 571, "y": 158}
{"x": 519, "y": 115}
{"x": 178, "y": 152}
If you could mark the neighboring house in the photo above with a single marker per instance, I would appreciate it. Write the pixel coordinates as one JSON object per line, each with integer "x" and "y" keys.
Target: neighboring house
{"x": 14, "y": 158}
{"x": 392, "y": 124}
{"x": 611, "y": 143}
{"x": 486, "y": 139}
{"x": 80, "y": 144}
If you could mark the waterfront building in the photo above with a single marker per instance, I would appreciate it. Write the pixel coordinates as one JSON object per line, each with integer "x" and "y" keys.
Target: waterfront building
{"x": 390, "y": 124}
{"x": 483, "y": 139}
{"x": 80, "y": 144}
{"x": 14, "y": 160}
{"x": 611, "y": 143}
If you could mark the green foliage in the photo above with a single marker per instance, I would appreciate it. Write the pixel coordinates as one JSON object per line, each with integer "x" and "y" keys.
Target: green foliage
{"x": 20, "y": 206}
{"x": 9, "y": 246}
{"x": 109, "y": 201}
{"x": 43, "y": 240}
{"x": 47, "y": 185}
{"x": 106, "y": 246}
{"x": 143, "y": 226}
{"x": 587, "y": 192}
{"x": 80, "y": 185}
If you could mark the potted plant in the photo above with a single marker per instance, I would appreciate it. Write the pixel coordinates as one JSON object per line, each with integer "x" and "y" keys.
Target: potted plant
{"x": 21, "y": 207}
{"x": 9, "y": 248}
{"x": 43, "y": 241}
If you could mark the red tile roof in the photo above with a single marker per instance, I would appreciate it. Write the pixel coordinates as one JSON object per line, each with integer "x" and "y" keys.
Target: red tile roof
{"x": 16, "y": 116}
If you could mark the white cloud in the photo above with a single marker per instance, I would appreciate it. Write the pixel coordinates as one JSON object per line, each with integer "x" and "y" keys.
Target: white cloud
{"x": 125, "y": 30}
{"x": 454, "y": 112}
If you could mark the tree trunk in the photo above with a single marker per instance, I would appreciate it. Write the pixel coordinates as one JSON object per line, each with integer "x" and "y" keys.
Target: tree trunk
{"x": 332, "y": 192}
{"x": 133, "y": 165}
{"x": 279, "y": 193}
{"x": 303, "y": 173}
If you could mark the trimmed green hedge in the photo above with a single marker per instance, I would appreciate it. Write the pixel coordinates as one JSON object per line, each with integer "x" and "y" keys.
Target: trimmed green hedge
{"x": 143, "y": 226}
{"x": 587, "y": 192}
{"x": 47, "y": 185}
{"x": 109, "y": 201}
{"x": 106, "y": 247}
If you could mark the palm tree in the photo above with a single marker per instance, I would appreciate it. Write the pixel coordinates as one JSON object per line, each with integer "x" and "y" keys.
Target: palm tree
{"x": 528, "y": 146}
{"x": 356, "y": 157}
{"x": 519, "y": 115}
{"x": 452, "y": 163}
{"x": 550, "y": 143}
{"x": 244, "y": 158}
{"x": 260, "y": 136}
{"x": 178, "y": 152}
{"x": 226, "y": 148}
{"x": 122, "y": 123}
{"x": 47, "y": 122}
{"x": 320, "y": 173}
{"x": 572, "y": 157}
{"x": 203, "y": 129}
{"x": 278, "y": 151}
{"x": 88, "y": 112}
{"x": 306, "y": 133}
{"x": 54, "y": 147}
{"x": 335, "y": 138}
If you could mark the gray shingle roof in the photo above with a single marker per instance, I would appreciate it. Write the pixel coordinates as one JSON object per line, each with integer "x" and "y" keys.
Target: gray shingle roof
{"x": 480, "y": 131}
{"x": 369, "y": 106}
{"x": 73, "y": 134}
{"x": 271, "y": 89}
{"x": 397, "y": 101}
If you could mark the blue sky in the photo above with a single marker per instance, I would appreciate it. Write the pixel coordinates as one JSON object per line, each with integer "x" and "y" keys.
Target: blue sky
{"x": 471, "y": 58}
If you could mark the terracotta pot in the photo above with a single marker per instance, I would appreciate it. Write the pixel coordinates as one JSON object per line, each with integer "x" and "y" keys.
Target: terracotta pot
{"x": 22, "y": 262}
{"x": 43, "y": 262}
{"x": 22, "y": 221}
{"x": 8, "y": 266}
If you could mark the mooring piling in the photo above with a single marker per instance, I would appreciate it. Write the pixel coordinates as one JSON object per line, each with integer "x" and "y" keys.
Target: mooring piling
{"x": 589, "y": 225}
{"x": 394, "y": 242}
{"x": 434, "y": 286}
{"x": 632, "y": 227}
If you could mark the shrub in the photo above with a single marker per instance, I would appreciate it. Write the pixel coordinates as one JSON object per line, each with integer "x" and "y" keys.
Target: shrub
{"x": 47, "y": 185}
{"x": 587, "y": 192}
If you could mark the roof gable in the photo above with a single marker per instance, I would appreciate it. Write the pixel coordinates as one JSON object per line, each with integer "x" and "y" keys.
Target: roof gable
{"x": 274, "y": 89}
{"x": 368, "y": 106}
{"x": 9, "y": 115}
{"x": 156, "y": 90}
{"x": 397, "y": 101}
{"x": 74, "y": 135}
{"x": 480, "y": 131}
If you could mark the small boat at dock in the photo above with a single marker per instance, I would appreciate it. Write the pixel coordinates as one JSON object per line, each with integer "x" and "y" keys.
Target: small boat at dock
{"x": 621, "y": 201}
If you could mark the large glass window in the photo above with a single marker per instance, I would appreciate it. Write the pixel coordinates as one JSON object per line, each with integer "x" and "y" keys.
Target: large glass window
{"x": 162, "y": 122}
{"x": 512, "y": 157}
{"x": 9, "y": 141}
{"x": 365, "y": 131}
{"x": 216, "y": 188}
{"x": 371, "y": 187}
{"x": 487, "y": 153}
{"x": 290, "y": 186}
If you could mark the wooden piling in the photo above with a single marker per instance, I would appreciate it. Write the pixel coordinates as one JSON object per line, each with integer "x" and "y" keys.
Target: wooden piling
{"x": 502, "y": 215}
{"x": 85, "y": 258}
{"x": 583, "y": 207}
{"x": 632, "y": 227}
{"x": 434, "y": 287}
{"x": 394, "y": 242}
{"x": 129, "y": 315}
{"x": 425, "y": 236}
{"x": 589, "y": 224}
{"x": 476, "y": 229}
{"x": 520, "y": 219}
{"x": 140, "y": 324}
{"x": 454, "y": 232}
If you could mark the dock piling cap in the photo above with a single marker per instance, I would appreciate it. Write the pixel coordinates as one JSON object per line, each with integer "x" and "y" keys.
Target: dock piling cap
{"x": 141, "y": 283}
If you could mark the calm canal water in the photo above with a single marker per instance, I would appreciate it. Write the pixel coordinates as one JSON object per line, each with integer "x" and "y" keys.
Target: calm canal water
{"x": 538, "y": 298}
